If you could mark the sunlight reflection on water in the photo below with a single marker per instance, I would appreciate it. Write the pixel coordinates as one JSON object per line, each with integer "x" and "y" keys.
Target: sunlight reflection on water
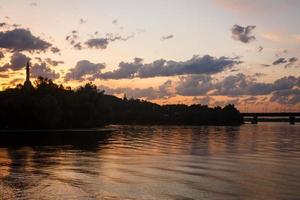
{"x": 159, "y": 162}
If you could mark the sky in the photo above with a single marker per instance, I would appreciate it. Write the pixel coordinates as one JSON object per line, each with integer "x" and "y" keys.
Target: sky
{"x": 165, "y": 51}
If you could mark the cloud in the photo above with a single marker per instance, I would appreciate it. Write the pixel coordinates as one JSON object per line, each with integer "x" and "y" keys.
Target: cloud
{"x": 291, "y": 62}
{"x": 53, "y": 62}
{"x": 82, "y": 21}
{"x": 97, "y": 43}
{"x": 4, "y": 75}
{"x": 22, "y": 40}
{"x": 283, "y": 90}
{"x": 17, "y": 62}
{"x": 1, "y": 55}
{"x": 83, "y": 69}
{"x": 102, "y": 43}
{"x": 125, "y": 70}
{"x": 4, "y": 25}
{"x": 72, "y": 37}
{"x": 166, "y": 90}
{"x": 279, "y": 61}
{"x": 194, "y": 85}
{"x": 206, "y": 100}
{"x": 286, "y": 96}
{"x": 166, "y": 37}
{"x": 55, "y": 50}
{"x": 197, "y": 65}
{"x": 112, "y": 37}
{"x": 241, "y": 84}
{"x": 150, "y": 93}
{"x": 250, "y": 100}
{"x": 243, "y": 34}
{"x": 94, "y": 43}
{"x": 159, "y": 68}
{"x": 44, "y": 71}
{"x": 16, "y": 81}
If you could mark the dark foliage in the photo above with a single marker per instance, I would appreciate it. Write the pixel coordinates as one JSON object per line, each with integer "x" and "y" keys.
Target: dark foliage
{"x": 52, "y": 106}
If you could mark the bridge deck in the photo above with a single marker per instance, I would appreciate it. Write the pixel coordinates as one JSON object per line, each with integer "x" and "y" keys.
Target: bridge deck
{"x": 274, "y": 114}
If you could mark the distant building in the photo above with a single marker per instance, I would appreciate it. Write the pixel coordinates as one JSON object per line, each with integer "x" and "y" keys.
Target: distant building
{"x": 27, "y": 83}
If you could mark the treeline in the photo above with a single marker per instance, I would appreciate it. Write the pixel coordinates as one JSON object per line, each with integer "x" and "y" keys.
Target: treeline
{"x": 52, "y": 106}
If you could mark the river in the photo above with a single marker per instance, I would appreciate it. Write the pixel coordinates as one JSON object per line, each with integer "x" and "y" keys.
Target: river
{"x": 159, "y": 162}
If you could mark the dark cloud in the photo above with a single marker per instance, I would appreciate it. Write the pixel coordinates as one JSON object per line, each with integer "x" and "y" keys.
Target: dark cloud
{"x": 165, "y": 90}
{"x": 287, "y": 96}
{"x": 194, "y": 85}
{"x": 53, "y": 62}
{"x": 97, "y": 43}
{"x": 150, "y": 93}
{"x": 102, "y": 43}
{"x": 1, "y": 55}
{"x": 83, "y": 69}
{"x": 4, "y": 25}
{"x": 197, "y": 65}
{"x": 17, "y": 62}
{"x": 78, "y": 46}
{"x": 279, "y": 61}
{"x": 82, "y": 21}
{"x": 125, "y": 70}
{"x": 259, "y": 74}
{"x": 166, "y": 37}
{"x": 72, "y": 38}
{"x": 284, "y": 90}
{"x": 43, "y": 70}
{"x": 291, "y": 62}
{"x": 55, "y": 50}
{"x": 22, "y": 40}
{"x": 243, "y": 34}
{"x": 241, "y": 84}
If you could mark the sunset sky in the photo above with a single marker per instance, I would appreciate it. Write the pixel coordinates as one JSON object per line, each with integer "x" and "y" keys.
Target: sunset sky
{"x": 213, "y": 52}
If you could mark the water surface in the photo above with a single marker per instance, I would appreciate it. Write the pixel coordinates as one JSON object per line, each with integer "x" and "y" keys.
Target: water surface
{"x": 158, "y": 162}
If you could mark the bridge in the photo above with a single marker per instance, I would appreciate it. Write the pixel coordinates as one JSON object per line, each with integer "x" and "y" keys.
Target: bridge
{"x": 290, "y": 117}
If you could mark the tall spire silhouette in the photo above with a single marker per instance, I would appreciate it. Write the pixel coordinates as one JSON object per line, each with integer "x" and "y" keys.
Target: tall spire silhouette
{"x": 27, "y": 83}
{"x": 28, "y": 71}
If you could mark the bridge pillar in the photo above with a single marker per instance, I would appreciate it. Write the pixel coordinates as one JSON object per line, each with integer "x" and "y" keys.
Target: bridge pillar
{"x": 292, "y": 119}
{"x": 254, "y": 120}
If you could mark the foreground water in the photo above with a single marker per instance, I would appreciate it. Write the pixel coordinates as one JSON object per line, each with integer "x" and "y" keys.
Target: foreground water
{"x": 139, "y": 162}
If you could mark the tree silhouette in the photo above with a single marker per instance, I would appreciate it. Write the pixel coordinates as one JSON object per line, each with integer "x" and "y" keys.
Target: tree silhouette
{"x": 51, "y": 106}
